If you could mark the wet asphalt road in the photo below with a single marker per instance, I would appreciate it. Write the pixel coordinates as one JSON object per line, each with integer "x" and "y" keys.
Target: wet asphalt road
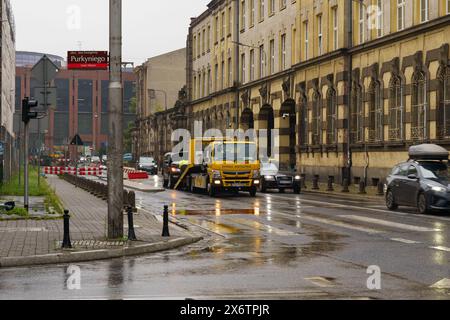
{"x": 275, "y": 246}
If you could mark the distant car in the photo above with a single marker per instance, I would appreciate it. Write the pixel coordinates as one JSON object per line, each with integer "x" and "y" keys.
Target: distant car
{"x": 95, "y": 159}
{"x": 128, "y": 157}
{"x": 272, "y": 178}
{"x": 148, "y": 164}
{"x": 422, "y": 182}
{"x": 104, "y": 158}
{"x": 172, "y": 168}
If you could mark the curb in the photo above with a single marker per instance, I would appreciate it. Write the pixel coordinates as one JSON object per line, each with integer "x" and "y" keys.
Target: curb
{"x": 343, "y": 195}
{"x": 86, "y": 256}
{"x": 154, "y": 190}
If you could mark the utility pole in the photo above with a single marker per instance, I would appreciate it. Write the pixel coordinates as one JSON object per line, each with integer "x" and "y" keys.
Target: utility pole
{"x": 115, "y": 154}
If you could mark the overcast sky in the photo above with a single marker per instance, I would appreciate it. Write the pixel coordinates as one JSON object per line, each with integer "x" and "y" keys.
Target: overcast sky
{"x": 150, "y": 27}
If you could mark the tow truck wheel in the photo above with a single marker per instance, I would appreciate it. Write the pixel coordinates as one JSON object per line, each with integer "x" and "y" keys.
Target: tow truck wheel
{"x": 165, "y": 184}
{"x": 211, "y": 190}
{"x": 253, "y": 192}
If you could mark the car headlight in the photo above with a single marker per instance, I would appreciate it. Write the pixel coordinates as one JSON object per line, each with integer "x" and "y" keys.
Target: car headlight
{"x": 298, "y": 178}
{"x": 216, "y": 174}
{"x": 269, "y": 178}
{"x": 175, "y": 170}
{"x": 438, "y": 189}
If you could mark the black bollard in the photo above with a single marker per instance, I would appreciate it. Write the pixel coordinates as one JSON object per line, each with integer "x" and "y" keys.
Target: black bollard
{"x": 66, "y": 241}
{"x": 330, "y": 184}
{"x": 345, "y": 188}
{"x": 131, "y": 233}
{"x": 316, "y": 183}
{"x": 132, "y": 200}
{"x": 362, "y": 188}
{"x": 380, "y": 187}
{"x": 166, "y": 222}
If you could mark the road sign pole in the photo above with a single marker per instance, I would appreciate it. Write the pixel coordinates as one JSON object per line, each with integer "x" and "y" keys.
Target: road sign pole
{"x": 115, "y": 170}
{"x": 25, "y": 167}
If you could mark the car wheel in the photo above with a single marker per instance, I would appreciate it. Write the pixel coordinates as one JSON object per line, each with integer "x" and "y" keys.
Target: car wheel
{"x": 297, "y": 190}
{"x": 253, "y": 192}
{"x": 390, "y": 201}
{"x": 263, "y": 187}
{"x": 165, "y": 183}
{"x": 171, "y": 182}
{"x": 422, "y": 204}
{"x": 282, "y": 191}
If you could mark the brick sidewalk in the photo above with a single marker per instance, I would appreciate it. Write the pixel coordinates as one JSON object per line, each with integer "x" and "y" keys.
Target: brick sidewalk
{"x": 88, "y": 222}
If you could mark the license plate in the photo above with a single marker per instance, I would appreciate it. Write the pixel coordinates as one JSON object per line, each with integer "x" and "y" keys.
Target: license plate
{"x": 238, "y": 185}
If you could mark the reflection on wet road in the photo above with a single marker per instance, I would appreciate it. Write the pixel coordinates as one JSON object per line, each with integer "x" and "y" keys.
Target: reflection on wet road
{"x": 272, "y": 246}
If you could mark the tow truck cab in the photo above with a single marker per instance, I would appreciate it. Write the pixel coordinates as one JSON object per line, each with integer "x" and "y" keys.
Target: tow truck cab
{"x": 217, "y": 165}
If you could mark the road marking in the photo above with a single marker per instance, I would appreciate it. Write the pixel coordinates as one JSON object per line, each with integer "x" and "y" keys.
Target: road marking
{"x": 442, "y": 284}
{"x": 405, "y": 241}
{"x": 341, "y": 224}
{"x": 260, "y": 226}
{"x": 389, "y": 223}
{"x": 440, "y": 248}
{"x": 321, "y": 282}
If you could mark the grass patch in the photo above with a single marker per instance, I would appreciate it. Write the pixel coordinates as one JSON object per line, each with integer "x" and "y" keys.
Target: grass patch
{"x": 16, "y": 188}
{"x": 21, "y": 212}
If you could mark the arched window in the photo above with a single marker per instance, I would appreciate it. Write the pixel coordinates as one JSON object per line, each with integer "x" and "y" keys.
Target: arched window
{"x": 304, "y": 121}
{"x": 444, "y": 104}
{"x": 356, "y": 115}
{"x": 375, "y": 113}
{"x": 316, "y": 119}
{"x": 395, "y": 109}
{"x": 419, "y": 105}
{"x": 331, "y": 116}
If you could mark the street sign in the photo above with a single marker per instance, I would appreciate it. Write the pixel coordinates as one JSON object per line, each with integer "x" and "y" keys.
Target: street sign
{"x": 44, "y": 70}
{"x": 76, "y": 141}
{"x": 39, "y": 95}
{"x": 87, "y": 60}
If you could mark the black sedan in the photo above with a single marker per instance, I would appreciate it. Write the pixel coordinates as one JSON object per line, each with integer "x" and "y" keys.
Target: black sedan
{"x": 272, "y": 178}
{"x": 422, "y": 182}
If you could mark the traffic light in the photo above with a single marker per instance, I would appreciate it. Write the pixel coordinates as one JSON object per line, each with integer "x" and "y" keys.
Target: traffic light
{"x": 27, "y": 105}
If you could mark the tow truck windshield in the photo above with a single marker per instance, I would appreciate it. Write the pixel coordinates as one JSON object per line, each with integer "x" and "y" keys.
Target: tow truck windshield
{"x": 235, "y": 152}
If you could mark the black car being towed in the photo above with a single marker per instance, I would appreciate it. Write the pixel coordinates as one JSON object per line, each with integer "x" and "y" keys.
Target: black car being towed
{"x": 422, "y": 182}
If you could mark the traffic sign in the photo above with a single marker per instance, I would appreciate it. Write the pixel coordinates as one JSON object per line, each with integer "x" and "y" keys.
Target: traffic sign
{"x": 76, "y": 141}
{"x": 50, "y": 92}
{"x": 44, "y": 70}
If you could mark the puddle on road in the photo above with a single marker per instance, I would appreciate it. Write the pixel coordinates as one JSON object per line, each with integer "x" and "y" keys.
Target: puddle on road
{"x": 218, "y": 212}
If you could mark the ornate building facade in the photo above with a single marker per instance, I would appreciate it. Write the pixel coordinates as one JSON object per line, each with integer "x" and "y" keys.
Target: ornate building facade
{"x": 349, "y": 84}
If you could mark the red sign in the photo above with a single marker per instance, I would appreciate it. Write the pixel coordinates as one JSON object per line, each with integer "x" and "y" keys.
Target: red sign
{"x": 87, "y": 60}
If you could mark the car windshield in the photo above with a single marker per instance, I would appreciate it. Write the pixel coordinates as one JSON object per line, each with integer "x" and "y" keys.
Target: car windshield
{"x": 435, "y": 171}
{"x": 147, "y": 161}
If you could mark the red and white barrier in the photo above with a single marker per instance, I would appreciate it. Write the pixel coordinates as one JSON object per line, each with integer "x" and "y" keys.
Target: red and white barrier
{"x": 73, "y": 171}
{"x": 132, "y": 174}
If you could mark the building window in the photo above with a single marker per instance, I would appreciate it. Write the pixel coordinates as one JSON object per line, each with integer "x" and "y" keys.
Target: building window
{"x": 252, "y": 65}
{"x": 282, "y": 4}
{"x": 194, "y": 47}
{"x": 316, "y": 118}
{"x": 217, "y": 29}
{"x": 243, "y": 14}
{"x": 243, "y": 68}
{"x": 224, "y": 25}
{"x": 261, "y": 9}
{"x": 331, "y": 116}
{"x": 361, "y": 23}
{"x": 306, "y": 33}
{"x": 380, "y": 18}
{"x": 320, "y": 34}
{"x": 230, "y": 20}
{"x": 395, "y": 109}
{"x": 194, "y": 89}
{"x": 424, "y": 10}
{"x": 262, "y": 61}
{"x": 356, "y": 115}
{"x": 203, "y": 41}
{"x": 216, "y": 82}
{"x": 272, "y": 7}
{"x": 335, "y": 28}
{"x": 209, "y": 38}
{"x": 252, "y": 12}
{"x": 419, "y": 105}
{"x": 304, "y": 121}
{"x": 283, "y": 51}
{"x": 448, "y": 6}
{"x": 444, "y": 104}
{"x": 230, "y": 73}
{"x": 375, "y": 112}
{"x": 208, "y": 91}
{"x": 401, "y": 5}
{"x": 222, "y": 78}
{"x": 272, "y": 56}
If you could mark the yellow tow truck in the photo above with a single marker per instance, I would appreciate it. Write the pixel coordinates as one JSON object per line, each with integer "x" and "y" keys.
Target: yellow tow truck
{"x": 219, "y": 165}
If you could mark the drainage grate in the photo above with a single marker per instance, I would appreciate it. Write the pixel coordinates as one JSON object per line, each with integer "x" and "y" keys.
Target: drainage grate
{"x": 94, "y": 244}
